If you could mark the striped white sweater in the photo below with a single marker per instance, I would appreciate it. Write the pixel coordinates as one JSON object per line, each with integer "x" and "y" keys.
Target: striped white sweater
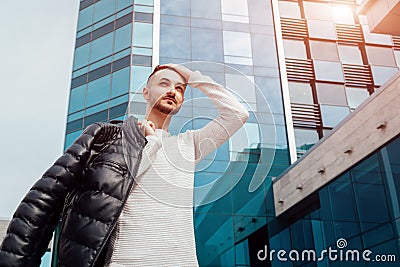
{"x": 156, "y": 225}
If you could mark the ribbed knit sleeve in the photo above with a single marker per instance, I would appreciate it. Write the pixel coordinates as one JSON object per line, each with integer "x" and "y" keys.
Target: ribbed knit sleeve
{"x": 232, "y": 116}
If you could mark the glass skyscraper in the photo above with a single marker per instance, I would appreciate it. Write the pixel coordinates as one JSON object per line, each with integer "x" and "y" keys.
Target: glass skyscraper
{"x": 300, "y": 67}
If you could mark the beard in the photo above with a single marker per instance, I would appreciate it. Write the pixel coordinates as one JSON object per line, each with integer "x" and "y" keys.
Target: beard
{"x": 165, "y": 108}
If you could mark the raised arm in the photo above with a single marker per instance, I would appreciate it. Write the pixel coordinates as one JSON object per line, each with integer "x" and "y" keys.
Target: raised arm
{"x": 232, "y": 114}
{"x": 35, "y": 219}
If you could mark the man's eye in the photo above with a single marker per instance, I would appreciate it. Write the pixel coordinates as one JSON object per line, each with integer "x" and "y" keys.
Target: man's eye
{"x": 180, "y": 88}
{"x": 163, "y": 84}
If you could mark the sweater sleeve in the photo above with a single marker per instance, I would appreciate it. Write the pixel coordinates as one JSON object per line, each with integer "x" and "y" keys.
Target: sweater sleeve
{"x": 36, "y": 217}
{"x": 232, "y": 116}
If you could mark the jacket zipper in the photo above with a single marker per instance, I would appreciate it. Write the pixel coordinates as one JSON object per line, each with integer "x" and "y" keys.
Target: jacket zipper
{"x": 119, "y": 211}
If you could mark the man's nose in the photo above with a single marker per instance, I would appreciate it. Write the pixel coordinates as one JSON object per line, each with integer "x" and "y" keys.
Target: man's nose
{"x": 172, "y": 90}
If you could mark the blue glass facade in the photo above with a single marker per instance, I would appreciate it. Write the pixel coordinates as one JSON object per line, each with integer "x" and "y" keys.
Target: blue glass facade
{"x": 361, "y": 206}
{"x": 234, "y": 42}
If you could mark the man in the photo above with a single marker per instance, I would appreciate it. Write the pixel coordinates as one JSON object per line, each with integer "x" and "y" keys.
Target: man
{"x": 125, "y": 189}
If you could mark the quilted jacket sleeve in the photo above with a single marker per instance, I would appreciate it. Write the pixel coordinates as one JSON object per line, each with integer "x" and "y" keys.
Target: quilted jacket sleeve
{"x": 35, "y": 219}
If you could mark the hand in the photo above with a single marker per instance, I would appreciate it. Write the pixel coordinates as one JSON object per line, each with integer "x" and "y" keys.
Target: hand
{"x": 192, "y": 78}
{"x": 182, "y": 70}
{"x": 147, "y": 128}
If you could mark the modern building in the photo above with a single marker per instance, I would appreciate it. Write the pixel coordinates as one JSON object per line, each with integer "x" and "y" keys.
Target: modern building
{"x": 301, "y": 68}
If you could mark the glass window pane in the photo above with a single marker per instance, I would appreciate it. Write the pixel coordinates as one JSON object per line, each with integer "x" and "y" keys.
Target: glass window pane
{"x": 120, "y": 82}
{"x": 201, "y": 40}
{"x": 98, "y": 91}
{"x": 175, "y": 7}
{"x": 85, "y": 17}
{"x": 305, "y": 139}
{"x": 324, "y": 50}
{"x": 263, "y": 48}
{"x": 320, "y": 11}
{"x": 237, "y": 44}
{"x": 289, "y": 9}
{"x": 300, "y": 93}
{"x": 235, "y": 7}
{"x": 350, "y": 54}
{"x": 380, "y": 56}
{"x": 123, "y": 3}
{"x": 328, "y": 71}
{"x": 342, "y": 14}
{"x": 332, "y": 115}
{"x": 207, "y": 9}
{"x": 139, "y": 78}
{"x": 260, "y": 12}
{"x": 123, "y": 37}
{"x": 331, "y": 94}
{"x": 321, "y": 29}
{"x": 169, "y": 46}
{"x": 102, "y": 47}
{"x": 382, "y": 74}
{"x": 77, "y": 99}
{"x": 242, "y": 86}
{"x": 294, "y": 49}
{"x": 81, "y": 57}
{"x": 355, "y": 96}
{"x": 103, "y": 9}
{"x": 143, "y": 34}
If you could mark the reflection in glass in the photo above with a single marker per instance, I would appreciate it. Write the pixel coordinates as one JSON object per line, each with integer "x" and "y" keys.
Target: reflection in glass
{"x": 173, "y": 41}
{"x": 319, "y": 11}
{"x": 332, "y": 115}
{"x": 201, "y": 40}
{"x": 235, "y": 7}
{"x": 123, "y": 37}
{"x": 382, "y": 74}
{"x": 350, "y": 54}
{"x": 102, "y": 47}
{"x": 324, "y": 50}
{"x": 175, "y": 7}
{"x": 331, "y": 94}
{"x": 85, "y": 17}
{"x": 98, "y": 91}
{"x": 207, "y": 9}
{"x": 288, "y": 9}
{"x": 81, "y": 57}
{"x": 77, "y": 99}
{"x": 305, "y": 139}
{"x": 300, "y": 93}
{"x": 142, "y": 34}
{"x": 328, "y": 71}
{"x": 237, "y": 43}
{"x": 294, "y": 49}
{"x": 355, "y": 96}
{"x": 342, "y": 14}
{"x": 120, "y": 82}
{"x": 381, "y": 56}
{"x": 321, "y": 29}
{"x": 103, "y": 9}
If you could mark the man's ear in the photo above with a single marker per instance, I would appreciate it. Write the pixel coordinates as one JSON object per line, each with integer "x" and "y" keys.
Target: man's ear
{"x": 146, "y": 93}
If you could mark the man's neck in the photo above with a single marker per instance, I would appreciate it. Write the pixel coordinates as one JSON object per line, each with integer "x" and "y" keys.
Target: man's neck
{"x": 160, "y": 120}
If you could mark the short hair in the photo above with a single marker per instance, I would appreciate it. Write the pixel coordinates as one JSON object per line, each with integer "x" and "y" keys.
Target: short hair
{"x": 162, "y": 67}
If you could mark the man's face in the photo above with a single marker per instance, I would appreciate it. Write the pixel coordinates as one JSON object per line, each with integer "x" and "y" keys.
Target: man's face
{"x": 164, "y": 91}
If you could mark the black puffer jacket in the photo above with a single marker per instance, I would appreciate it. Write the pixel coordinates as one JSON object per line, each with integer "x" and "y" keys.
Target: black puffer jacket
{"x": 88, "y": 187}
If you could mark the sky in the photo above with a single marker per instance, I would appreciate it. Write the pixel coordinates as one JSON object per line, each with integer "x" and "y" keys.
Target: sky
{"x": 36, "y": 54}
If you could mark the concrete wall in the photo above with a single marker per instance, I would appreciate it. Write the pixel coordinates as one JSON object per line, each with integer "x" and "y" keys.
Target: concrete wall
{"x": 383, "y": 16}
